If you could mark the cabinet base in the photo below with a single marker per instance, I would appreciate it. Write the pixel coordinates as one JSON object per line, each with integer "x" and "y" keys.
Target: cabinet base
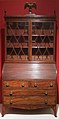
{"x": 17, "y": 110}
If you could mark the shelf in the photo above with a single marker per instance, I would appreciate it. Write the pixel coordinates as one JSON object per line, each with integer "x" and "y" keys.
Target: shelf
{"x": 17, "y": 45}
{"x": 34, "y": 45}
{"x": 43, "y": 45}
{"x": 17, "y": 57}
{"x": 24, "y": 32}
{"x": 34, "y": 58}
{"x": 43, "y": 57}
{"x": 17, "y": 32}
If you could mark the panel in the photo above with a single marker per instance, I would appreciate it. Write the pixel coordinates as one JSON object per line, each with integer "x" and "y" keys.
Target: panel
{"x": 17, "y": 40}
{"x": 43, "y": 41}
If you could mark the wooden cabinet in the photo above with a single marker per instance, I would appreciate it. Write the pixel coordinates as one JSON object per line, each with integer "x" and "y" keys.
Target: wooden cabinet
{"x": 29, "y": 72}
{"x": 30, "y": 38}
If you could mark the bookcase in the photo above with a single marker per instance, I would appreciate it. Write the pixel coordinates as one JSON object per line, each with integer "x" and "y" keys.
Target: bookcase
{"x": 29, "y": 73}
{"x": 30, "y": 38}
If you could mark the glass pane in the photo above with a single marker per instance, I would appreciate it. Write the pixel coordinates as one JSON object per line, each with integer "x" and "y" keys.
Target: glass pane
{"x": 42, "y": 41}
{"x": 17, "y": 40}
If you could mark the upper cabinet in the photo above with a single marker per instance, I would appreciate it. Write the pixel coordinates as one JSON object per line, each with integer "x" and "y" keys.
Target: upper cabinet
{"x": 30, "y": 38}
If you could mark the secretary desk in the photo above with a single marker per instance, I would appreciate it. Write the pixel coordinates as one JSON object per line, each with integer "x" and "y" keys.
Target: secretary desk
{"x": 29, "y": 75}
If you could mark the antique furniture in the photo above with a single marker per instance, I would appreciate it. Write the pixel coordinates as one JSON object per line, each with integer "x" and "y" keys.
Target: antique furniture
{"x": 29, "y": 75}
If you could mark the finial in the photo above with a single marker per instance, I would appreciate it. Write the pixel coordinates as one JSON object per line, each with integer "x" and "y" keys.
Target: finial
{"x": 30, "y": 6}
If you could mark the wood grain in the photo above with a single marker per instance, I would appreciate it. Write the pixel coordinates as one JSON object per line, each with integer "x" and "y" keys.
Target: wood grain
{"x": 27, "y": 71}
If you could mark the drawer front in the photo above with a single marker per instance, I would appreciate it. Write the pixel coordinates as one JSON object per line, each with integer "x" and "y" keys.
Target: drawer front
{"x": 42, "y": 84}
{"x": 45, "y": 84}
{"x": 31, "y": 100}
{"x": 28, "y": 92}
{"x": 13, "y": 84}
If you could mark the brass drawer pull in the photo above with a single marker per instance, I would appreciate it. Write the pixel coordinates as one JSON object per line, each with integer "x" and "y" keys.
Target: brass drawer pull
{"x": 7, "y": 84}
{"x": 22, "y": 84}
{"x": 51, "y": 84}
{"x": 35, "y": 85}
{"x": 11, "y": 102}
{"x": 46, "y": 93}
{"x": 11, "y": 93}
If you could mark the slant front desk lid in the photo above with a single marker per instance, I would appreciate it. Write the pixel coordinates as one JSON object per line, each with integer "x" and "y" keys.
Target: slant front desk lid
{"x": 28, "y": 71}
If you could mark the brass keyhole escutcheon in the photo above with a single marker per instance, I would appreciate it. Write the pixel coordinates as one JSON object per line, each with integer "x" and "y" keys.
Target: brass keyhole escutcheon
{"x": 22, "y": 94}
{"x": 7, "y": 84}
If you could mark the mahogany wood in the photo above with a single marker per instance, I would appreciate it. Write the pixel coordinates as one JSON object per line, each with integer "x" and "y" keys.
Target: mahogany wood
{"x": 29, "y": 75}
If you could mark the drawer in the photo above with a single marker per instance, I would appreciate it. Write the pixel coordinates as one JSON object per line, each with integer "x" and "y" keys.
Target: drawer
{"x": 17, "y": 84}
{"x": 28, "y": 92}
{"x": 44, "y": 84}
{"x": 31, "y": 100}
{"x": 41, "y": 84}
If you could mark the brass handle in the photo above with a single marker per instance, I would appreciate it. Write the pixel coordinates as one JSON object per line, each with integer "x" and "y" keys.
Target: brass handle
{"x": 51, "y": 84}
{"x": 11, "y": 102}
{"x": 22, "y": 84}
{"x": 35, "y": 85}
{"x": 46, "y": 93}
{"x": 11, "y": 93}
{"x": 7, "y": 84}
